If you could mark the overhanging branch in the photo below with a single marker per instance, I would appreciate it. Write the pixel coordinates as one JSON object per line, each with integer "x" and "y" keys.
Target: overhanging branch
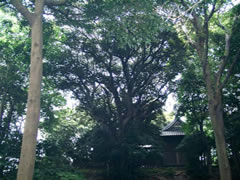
{"x": 55, "y": 2}
{"x": 23, "y": 10}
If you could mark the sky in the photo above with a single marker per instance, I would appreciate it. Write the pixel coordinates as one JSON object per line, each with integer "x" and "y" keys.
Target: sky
{"x": 236, "y": 2}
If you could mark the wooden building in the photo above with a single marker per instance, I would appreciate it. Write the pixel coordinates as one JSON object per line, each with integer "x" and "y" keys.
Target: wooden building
{"x": 172, "y": 135}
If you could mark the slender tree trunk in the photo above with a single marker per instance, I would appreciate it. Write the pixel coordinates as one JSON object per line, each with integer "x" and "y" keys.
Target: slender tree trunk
{"x": 212, "y": 80}
{"x": 1, "y": 110}
{"x": 1, "y": 118}
{"x": 215, "y": 106}
{"x": 215, "y": 109}
{"x": 216, "y": 115}
{"x": 27, "y": 158}
{"x": 28, "y": 150}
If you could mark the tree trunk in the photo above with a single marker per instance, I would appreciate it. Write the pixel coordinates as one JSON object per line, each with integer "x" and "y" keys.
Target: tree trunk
{"x": 216, "y": 115}
{"x": 212, "y": 80}
{"x": 1, "y": 118}
{"x": 1, "y": 110}
{"x": 28, "y": 150}
{"x": 215, "y": 108}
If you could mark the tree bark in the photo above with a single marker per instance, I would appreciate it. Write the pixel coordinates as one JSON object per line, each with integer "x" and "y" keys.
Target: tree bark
{"x": 1, "y": 119}
{"x": 215, "y": 109}
{"x": 1, "y": 111}
{"x": 28, "y": 150}
{"x": 216, "y": 114}
{"x": 27, "y": 158}
{"x": 214, "y": 93}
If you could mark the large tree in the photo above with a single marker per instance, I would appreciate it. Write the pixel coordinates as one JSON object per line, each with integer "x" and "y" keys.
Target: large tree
{"x": 198, "y": 20}
{"x": 121, "y": 69}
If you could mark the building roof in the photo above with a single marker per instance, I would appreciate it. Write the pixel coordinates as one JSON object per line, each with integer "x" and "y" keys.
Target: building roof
{"x": 174, "y": 128}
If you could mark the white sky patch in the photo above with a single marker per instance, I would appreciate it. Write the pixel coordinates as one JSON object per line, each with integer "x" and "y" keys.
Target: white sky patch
{"x": 236, "y": 2}
{"x": 71, "y": 102}
{"x": 169, "y": 105}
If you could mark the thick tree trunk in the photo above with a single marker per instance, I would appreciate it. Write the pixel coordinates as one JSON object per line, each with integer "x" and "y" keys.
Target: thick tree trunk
{"x": 28, "y": 150}
{"x": 216, "y": 115}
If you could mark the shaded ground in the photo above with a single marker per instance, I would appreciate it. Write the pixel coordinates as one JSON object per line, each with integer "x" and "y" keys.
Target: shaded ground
{"x": 143, "y": 174}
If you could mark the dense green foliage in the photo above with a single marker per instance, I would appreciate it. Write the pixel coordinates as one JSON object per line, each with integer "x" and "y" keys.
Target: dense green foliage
{"x": 119, "y": 61}
{"x": 13, "y": 94}
{"x": 121, "y": 73}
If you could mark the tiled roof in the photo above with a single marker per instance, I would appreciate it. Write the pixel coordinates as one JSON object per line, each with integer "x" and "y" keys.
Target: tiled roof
{"x": 173, "y": 129}
{"x": 172, "y": 133}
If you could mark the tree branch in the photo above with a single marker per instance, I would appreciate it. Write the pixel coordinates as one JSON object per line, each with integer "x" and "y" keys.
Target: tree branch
{"x": 230, "y": 69}
{"x": 213, "y": 10}
{"x": 23, "y": 10}
{"x": 55, "y": 2}
{"x": 225, "y": 58}
{"x": 228, "y": 35}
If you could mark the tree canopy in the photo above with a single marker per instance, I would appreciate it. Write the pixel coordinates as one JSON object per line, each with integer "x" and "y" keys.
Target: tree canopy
{"x": 118, "y": 61}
